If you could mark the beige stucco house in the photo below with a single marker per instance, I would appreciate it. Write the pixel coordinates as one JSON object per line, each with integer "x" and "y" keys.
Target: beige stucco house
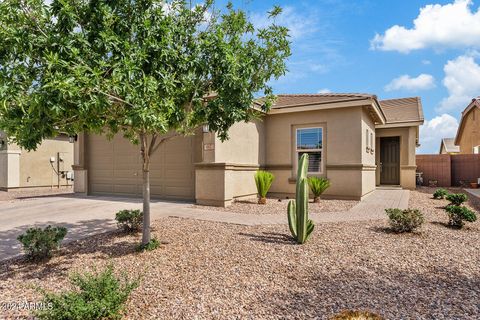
{"x": 468, "y": 134}
{"x": 447, "y": 146}
{"x": 355, "y": 140}
{"x": 23, "y": 169}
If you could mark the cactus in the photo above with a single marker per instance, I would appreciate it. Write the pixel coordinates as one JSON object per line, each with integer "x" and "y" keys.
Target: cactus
{"x": 300, "y": 226}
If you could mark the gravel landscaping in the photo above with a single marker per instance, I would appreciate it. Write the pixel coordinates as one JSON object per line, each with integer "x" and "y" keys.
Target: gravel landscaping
{"x": 26, "y": 194}
{"x": 273, "y": 206}
{"x": 208, "y": 270}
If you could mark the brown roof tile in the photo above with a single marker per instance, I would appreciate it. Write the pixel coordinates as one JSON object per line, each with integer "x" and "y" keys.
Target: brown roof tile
{"x": 402, "y": 110}
{"x": 290, "y": 100}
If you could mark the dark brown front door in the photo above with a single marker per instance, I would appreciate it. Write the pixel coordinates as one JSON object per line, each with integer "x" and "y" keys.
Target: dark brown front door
{"x": 390, "y": 160}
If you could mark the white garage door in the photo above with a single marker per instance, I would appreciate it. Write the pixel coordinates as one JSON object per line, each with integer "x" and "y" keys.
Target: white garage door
{"x": 114, "y": 168}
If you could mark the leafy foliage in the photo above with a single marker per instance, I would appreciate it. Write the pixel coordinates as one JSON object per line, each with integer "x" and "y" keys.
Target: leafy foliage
{"x": 150, "y": 246}
{"x": 145, "y": 67}
{"x": 318, "y": 185}
{"x": 458, "y": 215}
{"x": 150, "y": 70}
{"x": 263, "y": 181}
{"x": 457, "y": 198}
{"x": 440, "y": 193}
{"x": 39, "y": 243}
{"x": 129, "y": 220}
{"x": 97, "y": 296}
{"x": 405, "y": 220}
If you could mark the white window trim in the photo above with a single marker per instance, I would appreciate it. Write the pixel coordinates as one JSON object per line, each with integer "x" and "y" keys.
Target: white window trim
{"x": 310, "y": 150}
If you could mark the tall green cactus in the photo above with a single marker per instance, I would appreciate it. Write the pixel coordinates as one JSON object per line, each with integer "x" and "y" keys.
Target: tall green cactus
{"x": 300, "y": 226}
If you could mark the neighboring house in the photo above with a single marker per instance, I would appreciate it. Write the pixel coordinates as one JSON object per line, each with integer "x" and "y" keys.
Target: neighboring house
{"x": 447, "y": 146}
{"x": 468, "y": 134}
{"x": 23, "y": 169}
{"x": 355, "y": 140}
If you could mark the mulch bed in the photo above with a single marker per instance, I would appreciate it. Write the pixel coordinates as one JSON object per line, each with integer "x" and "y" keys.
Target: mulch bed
{"x": 210, "y": 270}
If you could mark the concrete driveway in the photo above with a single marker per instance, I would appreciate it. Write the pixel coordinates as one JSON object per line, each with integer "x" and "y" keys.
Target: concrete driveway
{"x": 83, "y": 216}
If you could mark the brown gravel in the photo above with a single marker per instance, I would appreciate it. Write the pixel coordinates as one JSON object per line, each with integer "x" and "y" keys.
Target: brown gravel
{"x": 26, "y": 194}
{"x": 219, "y": 271}
{"x": 273, "y": 206}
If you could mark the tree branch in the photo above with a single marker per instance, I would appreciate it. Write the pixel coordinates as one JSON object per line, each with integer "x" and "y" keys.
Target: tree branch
{"x": 115, "y": 98}
{"x": 165, "y": 139}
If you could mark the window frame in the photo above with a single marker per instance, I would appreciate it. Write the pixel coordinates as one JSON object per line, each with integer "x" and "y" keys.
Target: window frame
{"x": 321, "y": 150}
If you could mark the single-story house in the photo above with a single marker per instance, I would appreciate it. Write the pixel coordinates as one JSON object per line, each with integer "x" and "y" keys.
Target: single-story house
{"x": 468, "y": 133}
{"x": 49, "y": 165}
{"x": 447, "y": 146}
{"x": 355, "y": 140}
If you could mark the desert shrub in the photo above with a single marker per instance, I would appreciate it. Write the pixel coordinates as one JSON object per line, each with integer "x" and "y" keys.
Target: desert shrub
{"x": 263, "y": 181}
{"x": 318, "y": 186}
{"x": 457, "y": 199}
{"x": 405, "y": 220}
{"x": 96, "y": 296}
{"x": 458, "y": 215}
{"x": 129, "y": 220}
{"x": 440, "y": 193}
{"x": 356, "y": 315}
{"x": 152, "y": 245}
{"x": 40, "y": 243}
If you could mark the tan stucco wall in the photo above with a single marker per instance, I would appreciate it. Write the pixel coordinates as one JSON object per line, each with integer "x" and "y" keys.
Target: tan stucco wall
{"x": 228, "y": 167}
{"x": 344, "y": 159}
{"x": 22, "y": 169}
{"x": 470, "y": 135}
{"x": 36, "y": 169}
{"x": 408, "y": 167}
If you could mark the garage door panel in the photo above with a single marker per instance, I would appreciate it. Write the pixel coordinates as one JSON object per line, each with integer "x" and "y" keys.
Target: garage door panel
{"x": 115, "y": 168}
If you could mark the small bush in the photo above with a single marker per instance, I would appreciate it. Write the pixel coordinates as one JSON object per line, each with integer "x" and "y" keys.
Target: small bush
{"x": 356, "y": 315}
{"x": 97, "y": 296}
{"x": 318, "y": 186}
{"x": 263, "y": 181}
{"x": 405, "y": 220}
{"x": 459, "y": 214}
{"x": 152, "y": 245}
{"x": 457, "y": 199}
{"x": 129, "y": 220}
{"x": 39, "y": 243}
{"x": 440, "y": 193}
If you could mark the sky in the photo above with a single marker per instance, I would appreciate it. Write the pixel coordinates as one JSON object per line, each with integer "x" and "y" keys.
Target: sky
{"x": 393, "y": 49}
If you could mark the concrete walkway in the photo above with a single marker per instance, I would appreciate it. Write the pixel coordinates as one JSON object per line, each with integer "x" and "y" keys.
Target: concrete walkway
{"x": 474, "y": 192}
{"x": 86, "y": 216}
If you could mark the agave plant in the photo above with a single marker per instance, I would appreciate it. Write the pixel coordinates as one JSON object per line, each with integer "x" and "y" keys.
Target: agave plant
{"x": 318, "y": 186}
{"x": 263, "y": 180}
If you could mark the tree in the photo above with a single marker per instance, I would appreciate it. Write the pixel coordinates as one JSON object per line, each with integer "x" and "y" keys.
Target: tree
{"x": 147, "y": 69}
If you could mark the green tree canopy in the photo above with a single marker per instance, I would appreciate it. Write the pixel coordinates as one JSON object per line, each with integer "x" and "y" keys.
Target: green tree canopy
{"x": 149, "y": 69}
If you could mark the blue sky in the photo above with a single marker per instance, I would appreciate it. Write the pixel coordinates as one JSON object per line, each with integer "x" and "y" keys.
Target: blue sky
{"x": 388, "y": 48}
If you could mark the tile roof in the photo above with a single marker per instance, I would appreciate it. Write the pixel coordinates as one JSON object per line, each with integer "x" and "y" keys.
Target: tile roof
{"x": 402, "y": 110}
{"x": 292, "y": 100}
{"x": 450, "y": 146}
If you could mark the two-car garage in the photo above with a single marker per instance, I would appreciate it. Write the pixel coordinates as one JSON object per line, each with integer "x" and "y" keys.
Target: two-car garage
{"x": 115, "y": 168}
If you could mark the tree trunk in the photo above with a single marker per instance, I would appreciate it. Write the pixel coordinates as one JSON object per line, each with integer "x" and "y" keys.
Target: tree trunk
{"x": 145, "y": 188}
{"x": 146, "y": 204}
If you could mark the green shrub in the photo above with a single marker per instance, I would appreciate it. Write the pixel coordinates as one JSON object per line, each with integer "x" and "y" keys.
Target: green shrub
{"x": 405, "y": 220}
{"x": 356, "y": 315}
{"x": 152, "y": 245}
{"x": 39, "y": 243}
{"x": 263, "y": 181}
{"x": 318, "y": 186}
{"x": 457, "y": 199}
{"x": 97, "y": 296}
{"x": 129, "y": 220}
{"x": 459, "y": 214}
{"x": 440, "y": 193}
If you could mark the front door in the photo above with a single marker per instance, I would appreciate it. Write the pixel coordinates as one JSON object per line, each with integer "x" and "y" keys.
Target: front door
{"x": 390, "y": 160}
